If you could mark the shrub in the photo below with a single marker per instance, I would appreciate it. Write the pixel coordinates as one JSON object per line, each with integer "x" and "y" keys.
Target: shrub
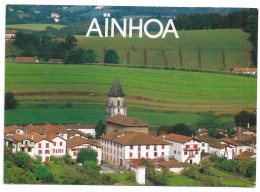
{"x": 67, "y": 159}
{"x": 87, "y": 155}
{"x": 108, "y": 180}
{"x": 111, "y": 57}
{"x": 41, "y": 172}
{"x": 10, "y": 101}
{"x": 131, "y": 176}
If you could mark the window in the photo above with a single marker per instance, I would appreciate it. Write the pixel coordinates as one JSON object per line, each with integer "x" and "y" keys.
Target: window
{"x": 47, "y": 145}
{"x": 131, "y": 147}
{"x": 155, "y": 148}
{"x": 60, "y": 143}
{"x": 26, "y": 142}
{"x": 18, "y": 131}
{"x": 185, "y": 153}
{"x": 139, "y": 148}
{"x": 118, "y": 110}
{"x": 147, "y": 154}
{"x": 118, "y": 103}
{"x": 39, "y": 145}
{"x": 29, "y": 150}
{"x": 147, "y": 146}
{"x": 155, "y": 154}
{"x": 54, "y": 144}
{"x": 162, "y": 153}
{"x": 74, "y": 153}
{"x": 174, "y": 151}
{"x": 179, "y": 152}
{"x": 39, "y": 152}
{"x": 130, "y": 154}
{"x": 47, "y": 151}
{"x": 196, "y": 152}
{"x": 53, "y": 150}
{"x": 162, "y": 146}
{"x": 203, "y": 144}
{"x": 171, "y": 144}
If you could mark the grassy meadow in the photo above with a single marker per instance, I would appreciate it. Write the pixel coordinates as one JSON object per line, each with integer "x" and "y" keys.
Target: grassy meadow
{"x": 210, "y": 42}
{"x": 33, "y": 26}
{"x": 160, "y": 97}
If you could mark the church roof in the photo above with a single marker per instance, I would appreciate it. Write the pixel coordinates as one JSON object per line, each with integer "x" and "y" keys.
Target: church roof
{"x": 127, "y": 121}
{"x": 116, "y": 90}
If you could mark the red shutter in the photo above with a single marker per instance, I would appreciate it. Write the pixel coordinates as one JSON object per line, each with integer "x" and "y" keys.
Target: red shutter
{"x": 39, "y": 145}
{"x": 162, "y": 146}
{"x": 162, "y": 153}
{"x": 130, "y": 154}
{"x": 147, "y": 154}
{"x": 54, "y": 143}
{"x": 47, "y": 145}
{"x": 60, "y": 143}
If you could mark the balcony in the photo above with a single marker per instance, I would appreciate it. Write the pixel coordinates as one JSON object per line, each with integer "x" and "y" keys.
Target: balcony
{"x": 192, "y": 149}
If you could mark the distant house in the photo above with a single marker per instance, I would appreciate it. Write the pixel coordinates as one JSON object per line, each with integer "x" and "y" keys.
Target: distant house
{"x": 247, "y": 70}
{"x": 55, "y": 15}
{"x": 99, "y": 7}
{"x": 27, "y": 59}
{"x": 10, "y": 34}
{"x": 202, "y": 132}
{"x": 88, "y": 129}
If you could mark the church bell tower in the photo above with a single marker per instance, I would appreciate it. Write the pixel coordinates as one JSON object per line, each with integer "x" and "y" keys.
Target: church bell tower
{"x": 116, "y": 100}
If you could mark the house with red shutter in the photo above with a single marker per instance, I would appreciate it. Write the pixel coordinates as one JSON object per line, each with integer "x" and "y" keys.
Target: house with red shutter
{"x": 120, "y": 147}
{"x": 183, "y": 148}
{"x": 75, "y": 144}
{"x": 10, "y": 34}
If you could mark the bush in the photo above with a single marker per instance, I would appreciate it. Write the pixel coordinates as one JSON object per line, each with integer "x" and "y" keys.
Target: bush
{"x": 41, "y": 172}
{"x": 131, "y": 176}
{"x": 108, "y": 180}
{"x": 48, "y": 178}
{"x": 56, "y": 160}
{"x": 67, "y": 159}
{"x": 69, "y": 105}
{"x": 87, "y": 155}
{"x": 229, "y": 165}
{"x": 24, "y": 161}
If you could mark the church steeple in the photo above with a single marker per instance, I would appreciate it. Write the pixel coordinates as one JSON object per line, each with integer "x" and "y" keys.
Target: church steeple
{"x": 116, "y": 101}
{"x": 116, "y": 90}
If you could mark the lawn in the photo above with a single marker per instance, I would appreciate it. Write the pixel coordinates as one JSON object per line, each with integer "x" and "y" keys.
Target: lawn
{"x": 33, "y": 26}
{"x": 160, "y": 97}
{"x": 122, "y": 178}
{"x": 234, "y": 42}
{"x": 182, "y": 180}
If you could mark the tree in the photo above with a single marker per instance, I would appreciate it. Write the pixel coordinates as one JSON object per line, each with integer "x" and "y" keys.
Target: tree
{"x": 208, "y": 121}
{"x": 214, "y": 133}
{"x": 107, "y": 180}
{"x": 100, "y": 129}
{"x": 252, "y": 28}
{"x": 87, "y": 155}
{"x": 77, "y": 56}
{"x": 67, "y": 159}
{"x": 49, "y": 178}
{"x": 179, "y": 128}
{"x": 10, "y": 101}
{"x": 205, "y": 167}
{"x": 23, "y": 160}
{"x": 243, "y": 118}
{"x": 111, "y": 57}
{"x": 70, "y": 42}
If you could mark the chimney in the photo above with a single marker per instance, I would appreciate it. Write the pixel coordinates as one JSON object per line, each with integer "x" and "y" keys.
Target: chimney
{"x": 25, "y": 133}
{"x": 248, "y": 125}
{"x": 32, "y": 137}
{"x": 199, "y": 130}
{"x": 235, "y": 138}
{"x": 239, "y": 129}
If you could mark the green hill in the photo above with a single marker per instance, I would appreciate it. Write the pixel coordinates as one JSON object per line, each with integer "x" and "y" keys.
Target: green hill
{"x": 234, "y": 43}
{"x": 33, "y": 26}
{"x": 160, "y": 97}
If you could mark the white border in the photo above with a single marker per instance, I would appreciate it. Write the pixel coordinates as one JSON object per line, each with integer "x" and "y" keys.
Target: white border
{"x": 161, "y": 3}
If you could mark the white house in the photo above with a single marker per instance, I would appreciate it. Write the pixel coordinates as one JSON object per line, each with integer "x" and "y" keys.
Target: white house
{"x": 10, "y": 34}
{"x": 59, "y": 145}
{"x": 183, "y": 148}
{"x": 11, "y": 143}
{"x": 88, "y": 129}
{"x": 118, "y": 147}
{"x": 24, "y": 143}
{"x": 76, "y": 143}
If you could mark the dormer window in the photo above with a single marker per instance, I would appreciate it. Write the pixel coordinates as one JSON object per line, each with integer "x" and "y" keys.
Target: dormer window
{"x": 118, "y": 103}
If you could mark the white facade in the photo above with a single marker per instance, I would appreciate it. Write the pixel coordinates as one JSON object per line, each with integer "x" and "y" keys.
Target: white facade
{"x": 118, "y": 154}
{"x": 59, "y": 147}
{"x": 115, "y": 105}
{"x": 44, "y": 148}
{"x": 185, "y": 152}
{"x": 139, "y": 174}
{"x": 91, "y": 132}
{"x": 227, "y": 152}
{"x": 204, "y": 147}
{"x": 27, "y": 146}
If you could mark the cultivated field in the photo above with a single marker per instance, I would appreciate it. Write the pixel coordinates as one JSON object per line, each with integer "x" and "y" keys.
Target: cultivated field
{"x": 34, "y": 27}
{"x": 160, "y": 97}
{"x": 235, "y": 44}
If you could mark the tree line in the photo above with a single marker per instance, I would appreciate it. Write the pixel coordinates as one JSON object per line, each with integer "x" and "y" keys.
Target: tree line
{"x": 45, "y": 46}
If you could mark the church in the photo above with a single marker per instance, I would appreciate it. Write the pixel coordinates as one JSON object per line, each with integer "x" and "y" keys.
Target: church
{"x": 116, "y": 113}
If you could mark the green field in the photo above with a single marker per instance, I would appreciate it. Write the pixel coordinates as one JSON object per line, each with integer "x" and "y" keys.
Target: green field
{"x": 160, "y": 97}
{"x": 34, "y": 27}
{"x": 210, "y": 42}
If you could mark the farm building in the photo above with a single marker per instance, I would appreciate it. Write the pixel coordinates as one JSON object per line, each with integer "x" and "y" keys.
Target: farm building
{"x": 10, "y": 34}
{"x": 27, "y": 59}
{"x": 247, "y": 70}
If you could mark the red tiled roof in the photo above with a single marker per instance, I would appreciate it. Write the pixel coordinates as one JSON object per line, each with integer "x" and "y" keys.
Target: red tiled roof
{"x": 202, "y": 130}
{"x": 10, "y": 31}
{"x": 133, "y": 138}
{"x": 171, "y": 164}
{"x": 35, "y": 136}
{"x": 245, "y": 155}
{"x": 178, "y": 138}
{"x": 232, "y": 142}
{"x": 19, "y": 137}
{"x": 25, "y": 59}
{"x": 127, "y": 121}
{"x": 236, "y": 69}
{"x": 162, "y": 136}
{"x": 117, "y": 183}
{"x": 76, "y": 141}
